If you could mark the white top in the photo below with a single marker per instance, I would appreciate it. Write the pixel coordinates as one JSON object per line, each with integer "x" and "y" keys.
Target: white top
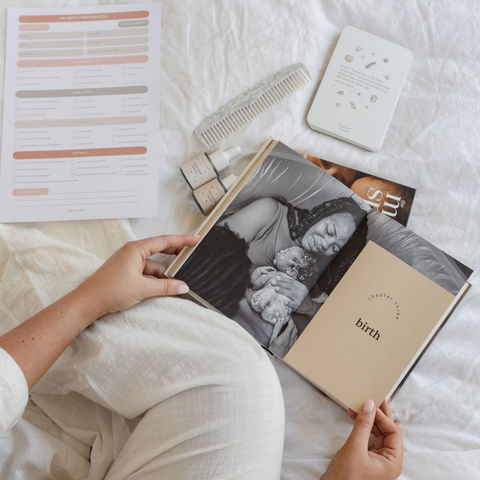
{"x": 13, "y": 392}
{"x": 221, "y": 159}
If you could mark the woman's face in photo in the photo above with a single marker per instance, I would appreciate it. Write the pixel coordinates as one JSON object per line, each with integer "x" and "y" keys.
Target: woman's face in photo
{"x": 342, "y": 174}
{"x": 329, "y": 235}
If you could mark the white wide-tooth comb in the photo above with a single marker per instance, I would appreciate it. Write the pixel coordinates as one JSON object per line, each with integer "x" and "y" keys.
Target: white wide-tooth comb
{"x": 247, "y": 106}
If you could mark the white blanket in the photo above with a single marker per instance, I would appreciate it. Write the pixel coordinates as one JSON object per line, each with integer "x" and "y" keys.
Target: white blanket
{"x": 212, "y": 51}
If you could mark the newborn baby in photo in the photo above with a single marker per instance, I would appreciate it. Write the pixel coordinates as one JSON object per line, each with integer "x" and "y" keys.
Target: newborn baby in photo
{"x": 294, "y": 262}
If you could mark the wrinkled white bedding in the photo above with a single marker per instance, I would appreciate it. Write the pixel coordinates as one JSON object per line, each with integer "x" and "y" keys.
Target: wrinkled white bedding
{"x": 214, "y": 50}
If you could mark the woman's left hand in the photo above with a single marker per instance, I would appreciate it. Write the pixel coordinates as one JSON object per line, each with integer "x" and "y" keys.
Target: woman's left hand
{"x": 129, "y": 276}
{"x": 292, "y": 289}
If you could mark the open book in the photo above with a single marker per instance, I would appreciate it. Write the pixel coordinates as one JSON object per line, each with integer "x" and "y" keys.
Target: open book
{"x": 343, "y": 294}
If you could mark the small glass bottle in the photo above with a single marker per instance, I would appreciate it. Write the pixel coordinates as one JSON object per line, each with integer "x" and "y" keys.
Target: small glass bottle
{"x": 206, "y": 166}
{"x": 207, "y": 196}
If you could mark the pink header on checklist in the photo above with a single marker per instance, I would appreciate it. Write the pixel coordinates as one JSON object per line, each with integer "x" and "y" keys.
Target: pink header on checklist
{"x": 27, "y": 192}
{"x": 82, "y": 62}
{"x": 33, "y": 28}
{"x": 88, "y": 17}
{"x": 91, "y": 152}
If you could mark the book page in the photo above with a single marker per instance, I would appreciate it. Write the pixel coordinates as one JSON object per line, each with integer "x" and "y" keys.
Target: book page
{"x": 370, "y": 328}
{"x": 81, "y": 113}
{"x": 285, "y": 224}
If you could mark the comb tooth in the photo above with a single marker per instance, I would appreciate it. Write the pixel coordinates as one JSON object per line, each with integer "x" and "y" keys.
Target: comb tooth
{"x": 222, "y": 133}
{"x": 222, "y": 125}
{"x": 217, "y": 131}
{"x": 256, "y": 109}
{"x": 284, "y": 91}
{"x": 290, "y": 86}
{"x": 229, "y": 126}
{"x": 204, "y": 140}
{"x": 270, "y": 97}
{"x": 275, "y": 95}
{"x": 302, "y": 77}
{"x": 238, "y": 119}
{"x": 210, "y": 138}
{"x": 286, "y": 85}
{"x": 211, "y": 135}
{"x": 233, "y": 122}
{"x": 248, "y": 113}
{"x": 298, "y": 77}
{"x": 262, "y": 101}
{"x": 305, "y": 75}
{"x": 245, "y": 115}
{"x": 224, "y": 129}
{"x": 248, "y": 110}
{"x": 265, "y": 101}
{"x": 297, "y": 81}
{"x": 241, "y": 116}
{"x": 278, "y": 93}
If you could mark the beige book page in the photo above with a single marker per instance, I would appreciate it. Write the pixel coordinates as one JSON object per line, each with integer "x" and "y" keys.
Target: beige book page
{"x": 367, "y": 332}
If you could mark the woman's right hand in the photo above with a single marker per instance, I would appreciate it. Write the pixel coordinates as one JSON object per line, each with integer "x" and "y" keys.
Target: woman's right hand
{"x": 295, "y": 291}
{"x": 354, "y": 461}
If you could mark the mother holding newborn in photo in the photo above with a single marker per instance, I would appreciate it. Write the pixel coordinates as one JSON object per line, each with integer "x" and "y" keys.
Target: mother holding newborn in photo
{"x": 251, "y": 238}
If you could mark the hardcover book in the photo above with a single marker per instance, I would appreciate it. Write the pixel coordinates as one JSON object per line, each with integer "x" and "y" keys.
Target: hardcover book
{"x": 392, "y": 199}
{"x": 340, "y": 292}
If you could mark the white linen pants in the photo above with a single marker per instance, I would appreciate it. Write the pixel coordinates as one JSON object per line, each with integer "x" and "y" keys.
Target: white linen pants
{"x": 163, "y": 390}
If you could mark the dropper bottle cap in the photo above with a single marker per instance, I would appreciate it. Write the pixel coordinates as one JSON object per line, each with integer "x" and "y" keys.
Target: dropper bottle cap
{"x": 227, "y": 182}
{"x": 221, "y": 160}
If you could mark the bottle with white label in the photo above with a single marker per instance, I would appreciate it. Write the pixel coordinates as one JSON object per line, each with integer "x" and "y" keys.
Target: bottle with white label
{"x": 206, "y": 166}
{"x": 208, "y": 195}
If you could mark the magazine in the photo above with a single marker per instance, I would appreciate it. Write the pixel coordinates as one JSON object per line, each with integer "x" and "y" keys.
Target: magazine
{"x": 392, "y": 199}
{"x": 323, "y": 281}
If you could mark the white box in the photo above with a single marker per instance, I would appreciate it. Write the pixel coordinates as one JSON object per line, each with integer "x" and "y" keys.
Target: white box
{"x": 360, "y": 89}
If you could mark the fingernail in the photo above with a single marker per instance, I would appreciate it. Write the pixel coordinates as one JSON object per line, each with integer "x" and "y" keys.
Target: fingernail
{"x": 398, "y": 423}
{"x": 368, "y": 406}
{"x": 182, "y": 288}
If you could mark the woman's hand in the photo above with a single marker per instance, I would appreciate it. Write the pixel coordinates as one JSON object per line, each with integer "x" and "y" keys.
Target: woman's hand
{"x": 260, "y": 275}
{"x": 125, "y": 279}
{"x": 129, "y": 276}
{"x": 282, "y": 344}
{"x": 295, "y": 291}
{"x": 384, "y": 461}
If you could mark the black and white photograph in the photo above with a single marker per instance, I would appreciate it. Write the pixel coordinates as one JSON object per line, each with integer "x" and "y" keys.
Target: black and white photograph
{"x": 287, "y": 239}
{"x": 262, "y": 258}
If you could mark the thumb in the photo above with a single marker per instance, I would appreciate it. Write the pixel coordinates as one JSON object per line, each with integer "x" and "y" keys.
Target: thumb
{"x": 363, "y": 426}
{"x": 162, "y": 286}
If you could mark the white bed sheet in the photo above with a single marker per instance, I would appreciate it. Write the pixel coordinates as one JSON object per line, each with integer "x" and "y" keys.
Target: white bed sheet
{"x": 214, "y": 50}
